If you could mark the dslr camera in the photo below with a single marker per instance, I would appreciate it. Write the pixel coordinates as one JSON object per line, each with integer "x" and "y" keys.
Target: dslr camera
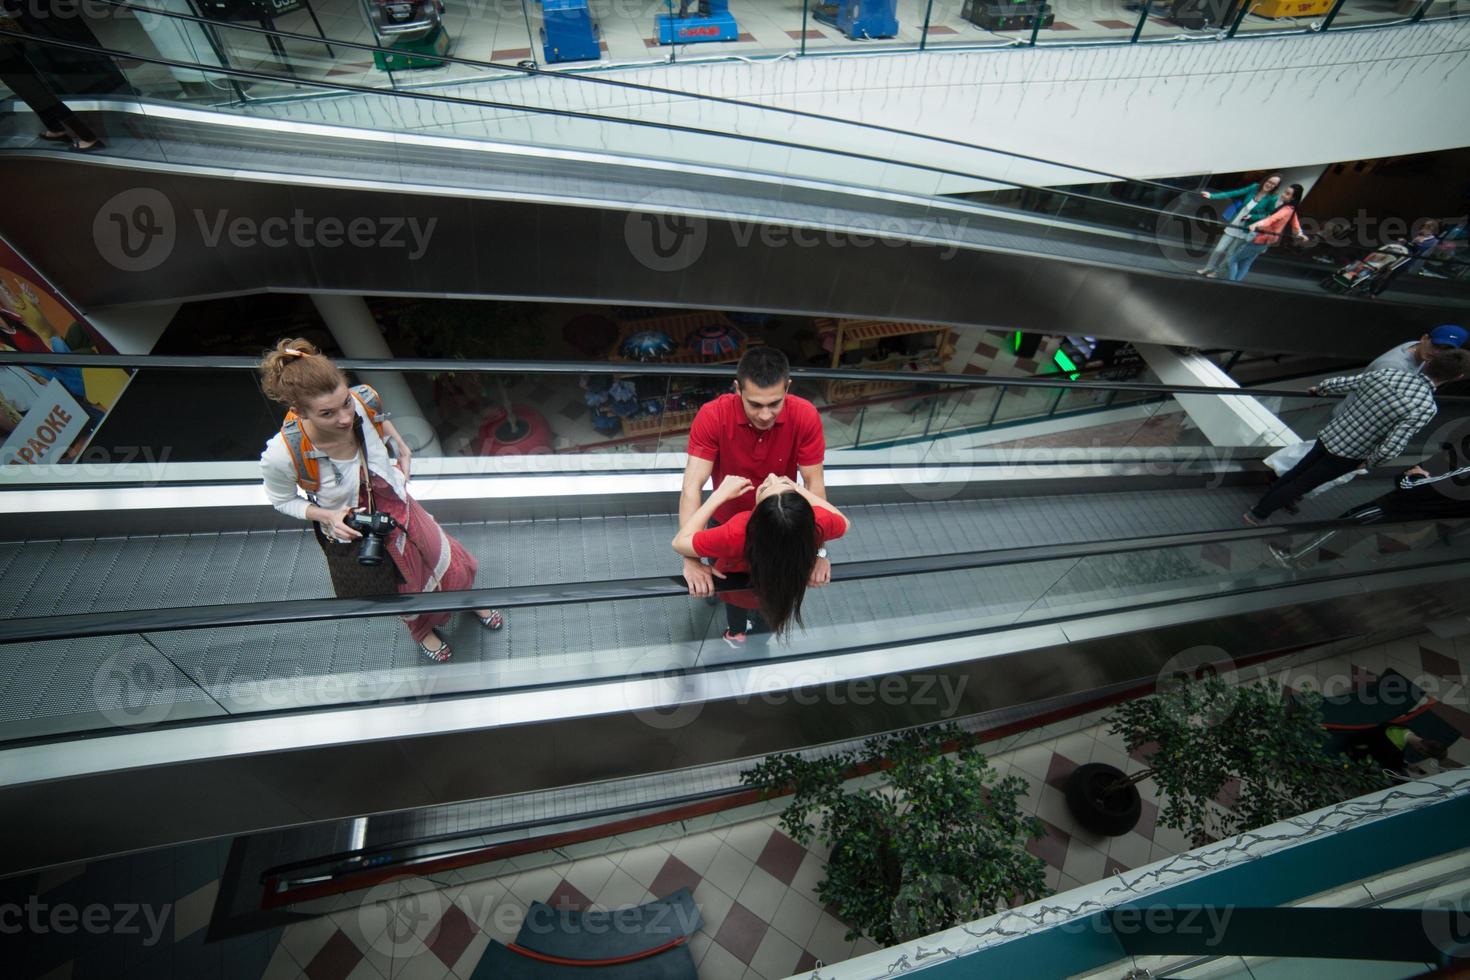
{"x": 375, "y": 528}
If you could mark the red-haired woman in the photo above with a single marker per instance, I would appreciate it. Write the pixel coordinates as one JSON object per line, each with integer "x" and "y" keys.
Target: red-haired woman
{"x": 338, "y": 431}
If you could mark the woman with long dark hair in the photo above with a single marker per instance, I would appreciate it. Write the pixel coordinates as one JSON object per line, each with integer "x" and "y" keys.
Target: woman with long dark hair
{"x": 778, "y": 542}
{"x": 330, "y": 461}
{"x": 1269, "y": 231}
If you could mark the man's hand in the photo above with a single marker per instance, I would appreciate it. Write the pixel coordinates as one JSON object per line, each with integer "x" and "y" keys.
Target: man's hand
{"x": 1416, "y": 471}
{"x": 404, "y": 455}
{"x": 821, "y": 574}
{"x": 700, "y": 577}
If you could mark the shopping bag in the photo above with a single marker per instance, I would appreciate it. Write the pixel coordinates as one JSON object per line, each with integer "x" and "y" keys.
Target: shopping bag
{"x": 1285, "y": 458}
{"x": 1334, "y": 483}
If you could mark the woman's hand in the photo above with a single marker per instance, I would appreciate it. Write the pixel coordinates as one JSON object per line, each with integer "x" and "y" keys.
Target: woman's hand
{"x": 404, "y": 455}
{"x": 733, "y": 486}
{"x": 341, "y": 530}
{"x": 1206, "y": 195}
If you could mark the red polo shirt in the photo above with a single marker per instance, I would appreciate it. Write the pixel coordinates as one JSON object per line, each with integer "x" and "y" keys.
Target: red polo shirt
{"x": 726, "y": 545}
{"x": 722, "y": 434}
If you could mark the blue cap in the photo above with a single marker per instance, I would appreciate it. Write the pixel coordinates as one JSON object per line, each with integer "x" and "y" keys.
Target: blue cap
{"x": 1448, "y": 335}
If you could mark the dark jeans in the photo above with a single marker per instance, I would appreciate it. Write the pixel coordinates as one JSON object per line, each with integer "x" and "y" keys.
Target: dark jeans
{"x": 736, "y": 617}
{"x": 28, "y": 86}
{"x": 1316, "y": 468}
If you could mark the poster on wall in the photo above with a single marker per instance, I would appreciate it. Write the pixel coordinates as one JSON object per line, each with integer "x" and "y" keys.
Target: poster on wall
{"x": 48, "y": 414}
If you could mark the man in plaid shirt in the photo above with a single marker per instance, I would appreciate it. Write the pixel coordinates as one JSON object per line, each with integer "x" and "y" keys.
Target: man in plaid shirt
{"x": 1388, "y": 407}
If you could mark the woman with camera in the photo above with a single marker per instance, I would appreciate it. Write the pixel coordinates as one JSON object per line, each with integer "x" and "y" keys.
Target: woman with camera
{"x": 330, "y": 465}
{"x": 778, "y": 542}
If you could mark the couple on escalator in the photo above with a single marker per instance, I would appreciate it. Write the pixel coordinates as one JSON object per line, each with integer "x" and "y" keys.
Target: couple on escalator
{"x": 754, "y": 442}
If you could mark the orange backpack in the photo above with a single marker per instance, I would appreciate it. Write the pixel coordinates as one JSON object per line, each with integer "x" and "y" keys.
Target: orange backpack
{"x": 298, "y": 444}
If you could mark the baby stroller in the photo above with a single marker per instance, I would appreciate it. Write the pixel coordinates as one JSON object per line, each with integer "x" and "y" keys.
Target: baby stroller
{"x": 1356, "y": 276}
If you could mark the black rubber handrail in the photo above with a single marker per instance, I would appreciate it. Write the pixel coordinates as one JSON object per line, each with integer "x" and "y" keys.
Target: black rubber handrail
{"x": 33, "y": 629}
{"x": 656, "y": 89}
{"x": 566, "y": 113}
{"x": 416, "y": 364}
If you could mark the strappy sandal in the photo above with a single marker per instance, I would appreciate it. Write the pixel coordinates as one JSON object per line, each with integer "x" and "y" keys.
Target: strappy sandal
{"x": 494, "y": 621}
{"x": 440, "y": 655}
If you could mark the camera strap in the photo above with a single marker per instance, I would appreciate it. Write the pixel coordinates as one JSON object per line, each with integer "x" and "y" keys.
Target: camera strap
{"x": 364, "y": 475}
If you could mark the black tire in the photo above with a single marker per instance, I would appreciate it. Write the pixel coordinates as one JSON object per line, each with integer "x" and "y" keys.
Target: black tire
{"x": 1111, "y": 814}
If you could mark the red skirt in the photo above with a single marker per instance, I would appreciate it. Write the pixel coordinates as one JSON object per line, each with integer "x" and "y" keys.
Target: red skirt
{"x": 428, "y": 559}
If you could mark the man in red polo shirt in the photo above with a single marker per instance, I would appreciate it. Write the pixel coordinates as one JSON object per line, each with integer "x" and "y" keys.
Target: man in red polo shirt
{"x": 752, "y": 432}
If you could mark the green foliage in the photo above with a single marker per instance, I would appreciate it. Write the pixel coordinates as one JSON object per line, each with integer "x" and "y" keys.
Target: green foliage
{"x": 941, "y": 841}
{"x": 1209, "y": 732}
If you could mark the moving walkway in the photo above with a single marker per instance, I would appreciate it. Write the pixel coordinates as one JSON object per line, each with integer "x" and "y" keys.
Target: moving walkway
{"x": 175, "y": 670}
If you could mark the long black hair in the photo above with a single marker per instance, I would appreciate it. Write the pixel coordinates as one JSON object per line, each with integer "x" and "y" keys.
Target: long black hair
{"x": 781, "y": 550}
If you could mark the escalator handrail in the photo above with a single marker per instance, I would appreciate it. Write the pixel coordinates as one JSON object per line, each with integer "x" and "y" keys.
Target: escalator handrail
{"x": 173, "y": 362}
{"x": 660, "y": 90}
{"x": 34, "y": 629}
{"x": 573, "y": 114}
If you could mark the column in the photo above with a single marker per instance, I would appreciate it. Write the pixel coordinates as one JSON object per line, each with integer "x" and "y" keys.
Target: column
{"x": 358, "y": 335}
{"x": 1239, "y": 421}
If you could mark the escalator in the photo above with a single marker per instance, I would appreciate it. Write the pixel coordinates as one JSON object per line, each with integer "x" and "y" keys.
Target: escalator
{"x": 175, "y": 671}
{"x": 190, "y": 201}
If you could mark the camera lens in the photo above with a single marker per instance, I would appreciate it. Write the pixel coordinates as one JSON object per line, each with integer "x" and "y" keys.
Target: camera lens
{"x": 370, "y": 550}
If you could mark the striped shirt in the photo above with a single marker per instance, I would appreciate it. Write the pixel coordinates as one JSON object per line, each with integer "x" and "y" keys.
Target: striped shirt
{"x": 1386, "y": 409}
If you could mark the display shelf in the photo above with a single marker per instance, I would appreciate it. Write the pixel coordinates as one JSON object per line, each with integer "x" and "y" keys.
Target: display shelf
{"x": 849, "y": 334}
{"x": 667, "y": 423}
{"x": 679, "y": 326}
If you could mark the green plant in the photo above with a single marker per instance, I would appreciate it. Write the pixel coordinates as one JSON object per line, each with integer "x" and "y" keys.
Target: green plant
{"x": 1209, "y": 732}
{"x": 941, "y": 841}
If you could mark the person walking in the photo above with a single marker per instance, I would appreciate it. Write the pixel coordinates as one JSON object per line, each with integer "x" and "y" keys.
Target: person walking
{"x": 759, "y": 429}
{"x": 778, "y": 541}
{"x": 330, "y": 461}
{"x": 1252, "y": 203}
{"x": 1432, "y": 490}
{"x": 1411, "y": 357}
{"x": 59, "y": 123}
{"x": 1268, "y": 231}
{"x": 1388, "y": 408}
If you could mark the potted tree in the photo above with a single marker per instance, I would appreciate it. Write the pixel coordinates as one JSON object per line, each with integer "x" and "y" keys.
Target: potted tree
{"x": 1205, "y": 734}
{"x": 941, "y": 841}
